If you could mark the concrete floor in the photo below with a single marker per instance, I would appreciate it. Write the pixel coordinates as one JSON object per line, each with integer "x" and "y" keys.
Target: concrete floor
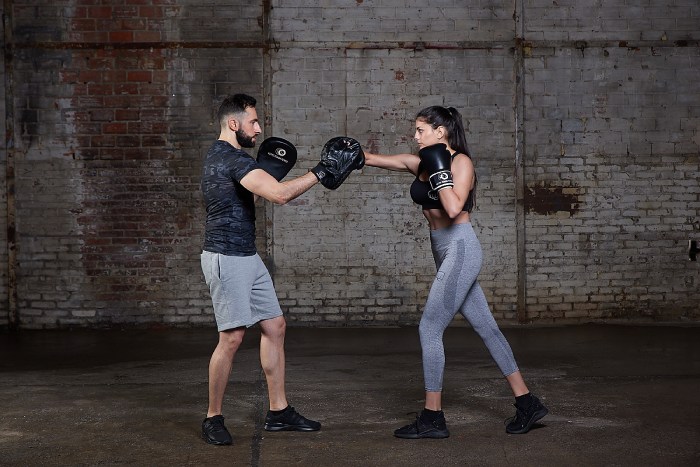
{"x": 618, "y": 395}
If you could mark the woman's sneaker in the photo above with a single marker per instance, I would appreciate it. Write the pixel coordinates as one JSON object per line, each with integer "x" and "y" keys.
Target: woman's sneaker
{"x": 525, "y": 417}
{"x": 423, "y": 429}
{"x": 214, "y": 431}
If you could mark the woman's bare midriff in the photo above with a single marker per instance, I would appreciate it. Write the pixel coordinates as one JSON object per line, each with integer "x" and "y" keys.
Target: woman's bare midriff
{"x": 438, "y": 218}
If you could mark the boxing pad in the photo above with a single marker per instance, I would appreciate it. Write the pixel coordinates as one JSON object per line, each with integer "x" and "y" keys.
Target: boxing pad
{"x": 436, "y": 161}
{"x": 339, "y": 156}
{"x": 277, "y": 156}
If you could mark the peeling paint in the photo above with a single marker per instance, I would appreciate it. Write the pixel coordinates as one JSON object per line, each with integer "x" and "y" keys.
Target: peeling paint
{"x": 547, "y": 199}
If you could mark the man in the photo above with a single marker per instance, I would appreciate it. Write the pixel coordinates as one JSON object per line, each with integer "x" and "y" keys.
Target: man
{"x": 240, "y": 285}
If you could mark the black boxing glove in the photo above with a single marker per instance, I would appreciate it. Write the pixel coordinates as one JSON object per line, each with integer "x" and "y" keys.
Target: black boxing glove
{"x": 436, "y": 160}
{"x": 277, "y": 156}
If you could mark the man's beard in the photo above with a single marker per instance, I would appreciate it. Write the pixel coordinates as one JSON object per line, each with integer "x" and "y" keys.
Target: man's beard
{"x": 244, "y": 140}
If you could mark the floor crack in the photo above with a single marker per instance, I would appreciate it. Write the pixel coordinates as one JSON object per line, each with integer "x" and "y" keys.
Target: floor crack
{"x": 260, "y": 398}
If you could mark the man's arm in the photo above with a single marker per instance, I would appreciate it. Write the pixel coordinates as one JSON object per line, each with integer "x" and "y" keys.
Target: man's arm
{"x": 260, "y": 183}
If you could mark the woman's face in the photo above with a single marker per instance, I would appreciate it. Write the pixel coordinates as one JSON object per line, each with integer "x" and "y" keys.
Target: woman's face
{"x": 426, "y": 135}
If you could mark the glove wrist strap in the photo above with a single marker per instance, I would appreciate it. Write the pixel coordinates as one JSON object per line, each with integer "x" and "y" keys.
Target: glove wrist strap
{"x": 319, "y": 171}
{"x": 441, "y": 180}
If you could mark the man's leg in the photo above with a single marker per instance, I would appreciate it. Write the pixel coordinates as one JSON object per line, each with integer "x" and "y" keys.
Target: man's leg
{"x": 272, "y": 360}
{"x": 281, "y": 416}
{"x": 220, "y": 367}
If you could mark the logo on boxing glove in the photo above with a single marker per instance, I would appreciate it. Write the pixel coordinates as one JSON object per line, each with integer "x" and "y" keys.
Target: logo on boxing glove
{"x": 441, "y": 180}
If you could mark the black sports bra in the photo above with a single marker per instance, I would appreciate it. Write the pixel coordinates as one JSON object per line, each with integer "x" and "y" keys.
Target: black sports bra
{"x": 428, "y": 199}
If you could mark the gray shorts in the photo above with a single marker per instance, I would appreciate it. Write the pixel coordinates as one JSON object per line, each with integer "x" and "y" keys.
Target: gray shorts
{"x": 241, "y": 290}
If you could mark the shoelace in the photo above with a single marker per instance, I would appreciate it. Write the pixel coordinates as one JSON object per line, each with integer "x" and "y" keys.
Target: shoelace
{"x": 295, "y": 417}
{"x": 415, "y": 422}
{"x": 217, "y": 426}
{"x": 519, "y": 416}
{"x": 418, "y": 422}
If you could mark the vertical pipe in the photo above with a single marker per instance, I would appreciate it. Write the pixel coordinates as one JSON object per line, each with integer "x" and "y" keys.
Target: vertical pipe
{"x": 268, "y": 44}
{"x": 12, "y": 313}
{"x": 268, "y": 109}
{"x": 519, "y": 69}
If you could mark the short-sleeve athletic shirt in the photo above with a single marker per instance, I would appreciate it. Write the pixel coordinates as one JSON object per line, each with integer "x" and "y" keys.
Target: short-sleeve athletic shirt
{"x": 230, "y": 224}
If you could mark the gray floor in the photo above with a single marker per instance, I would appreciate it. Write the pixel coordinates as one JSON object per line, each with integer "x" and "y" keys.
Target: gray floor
{"x": 618, "y": 395}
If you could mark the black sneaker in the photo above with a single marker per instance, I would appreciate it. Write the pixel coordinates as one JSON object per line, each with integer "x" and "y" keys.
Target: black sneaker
{"x": 421, "y": 429}
{"x": 214, "y": 431}
{"x": 526, "y": 417}
{"x": 289, "y": 420}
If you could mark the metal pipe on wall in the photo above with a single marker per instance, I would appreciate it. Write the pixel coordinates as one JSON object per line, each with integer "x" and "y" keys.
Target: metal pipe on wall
{"x": 519, "y": 70}
{"x": 268, "y": 121}
{"x": 12, "y": 312}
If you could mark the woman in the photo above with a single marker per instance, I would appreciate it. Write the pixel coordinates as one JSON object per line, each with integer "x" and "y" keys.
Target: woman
{"x": 445, "y": 188}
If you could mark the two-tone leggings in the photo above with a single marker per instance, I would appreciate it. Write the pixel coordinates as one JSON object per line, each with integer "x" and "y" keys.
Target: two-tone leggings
{"x": 458, "y": 258}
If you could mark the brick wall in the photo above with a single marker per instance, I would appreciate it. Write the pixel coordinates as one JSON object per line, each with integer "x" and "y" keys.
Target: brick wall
{"x": 113, "y": 109}
{"x": 622, "y": 153}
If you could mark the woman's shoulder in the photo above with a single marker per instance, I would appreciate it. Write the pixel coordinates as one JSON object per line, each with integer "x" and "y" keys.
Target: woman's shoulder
{"x": 462, "y": 158}
{"x": 461, "y": 154}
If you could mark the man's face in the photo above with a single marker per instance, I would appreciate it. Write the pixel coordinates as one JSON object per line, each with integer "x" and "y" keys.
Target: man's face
{"x": 248, "y": 128}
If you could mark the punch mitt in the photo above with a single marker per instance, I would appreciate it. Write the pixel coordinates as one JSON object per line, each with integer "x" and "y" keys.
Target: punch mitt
{"x": 277, "y": 156}
{"x": 339, "y": 156}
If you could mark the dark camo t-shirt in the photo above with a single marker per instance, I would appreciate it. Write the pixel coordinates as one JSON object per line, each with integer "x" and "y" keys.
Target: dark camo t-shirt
{"x": 230, "y": 226}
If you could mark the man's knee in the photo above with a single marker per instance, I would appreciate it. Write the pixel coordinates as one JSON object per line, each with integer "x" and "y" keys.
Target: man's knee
{"x": 274, "y": 328}
{"x": 231, "y": 339}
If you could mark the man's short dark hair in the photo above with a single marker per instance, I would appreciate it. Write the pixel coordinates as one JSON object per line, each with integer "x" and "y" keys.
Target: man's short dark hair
{"x": 236, "y": 104}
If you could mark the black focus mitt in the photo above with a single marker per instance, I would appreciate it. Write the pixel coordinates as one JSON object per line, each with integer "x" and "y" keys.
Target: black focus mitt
{"x": 339, "y": 156}
{"x": 277, "y": 156}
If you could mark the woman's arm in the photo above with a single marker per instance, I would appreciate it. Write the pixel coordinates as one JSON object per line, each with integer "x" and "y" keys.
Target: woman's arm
{"x": 397, "y": 162}
{"x": 463, "y": 176}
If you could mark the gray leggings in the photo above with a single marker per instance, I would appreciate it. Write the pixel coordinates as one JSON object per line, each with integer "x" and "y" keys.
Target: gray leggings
{"x": 458, "y": 257}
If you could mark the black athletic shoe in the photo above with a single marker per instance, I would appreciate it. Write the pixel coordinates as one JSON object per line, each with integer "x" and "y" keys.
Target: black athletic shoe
{"x": 289, "y": 420}
{"x": 214, "y": 431}
{"x": 526, "y": 417}
{"x": 421, "y": 429}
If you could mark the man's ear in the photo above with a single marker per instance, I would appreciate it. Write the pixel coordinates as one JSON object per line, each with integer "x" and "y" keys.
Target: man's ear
{"x": 233, "y": 124}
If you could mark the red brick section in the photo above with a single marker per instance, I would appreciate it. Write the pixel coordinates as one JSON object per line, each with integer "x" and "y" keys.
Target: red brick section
{"x": 131, "y": 219}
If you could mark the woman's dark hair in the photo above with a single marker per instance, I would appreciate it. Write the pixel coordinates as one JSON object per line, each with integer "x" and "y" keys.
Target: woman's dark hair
{"x": 451, "y": 119}
{"x": 235, "y": 104}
